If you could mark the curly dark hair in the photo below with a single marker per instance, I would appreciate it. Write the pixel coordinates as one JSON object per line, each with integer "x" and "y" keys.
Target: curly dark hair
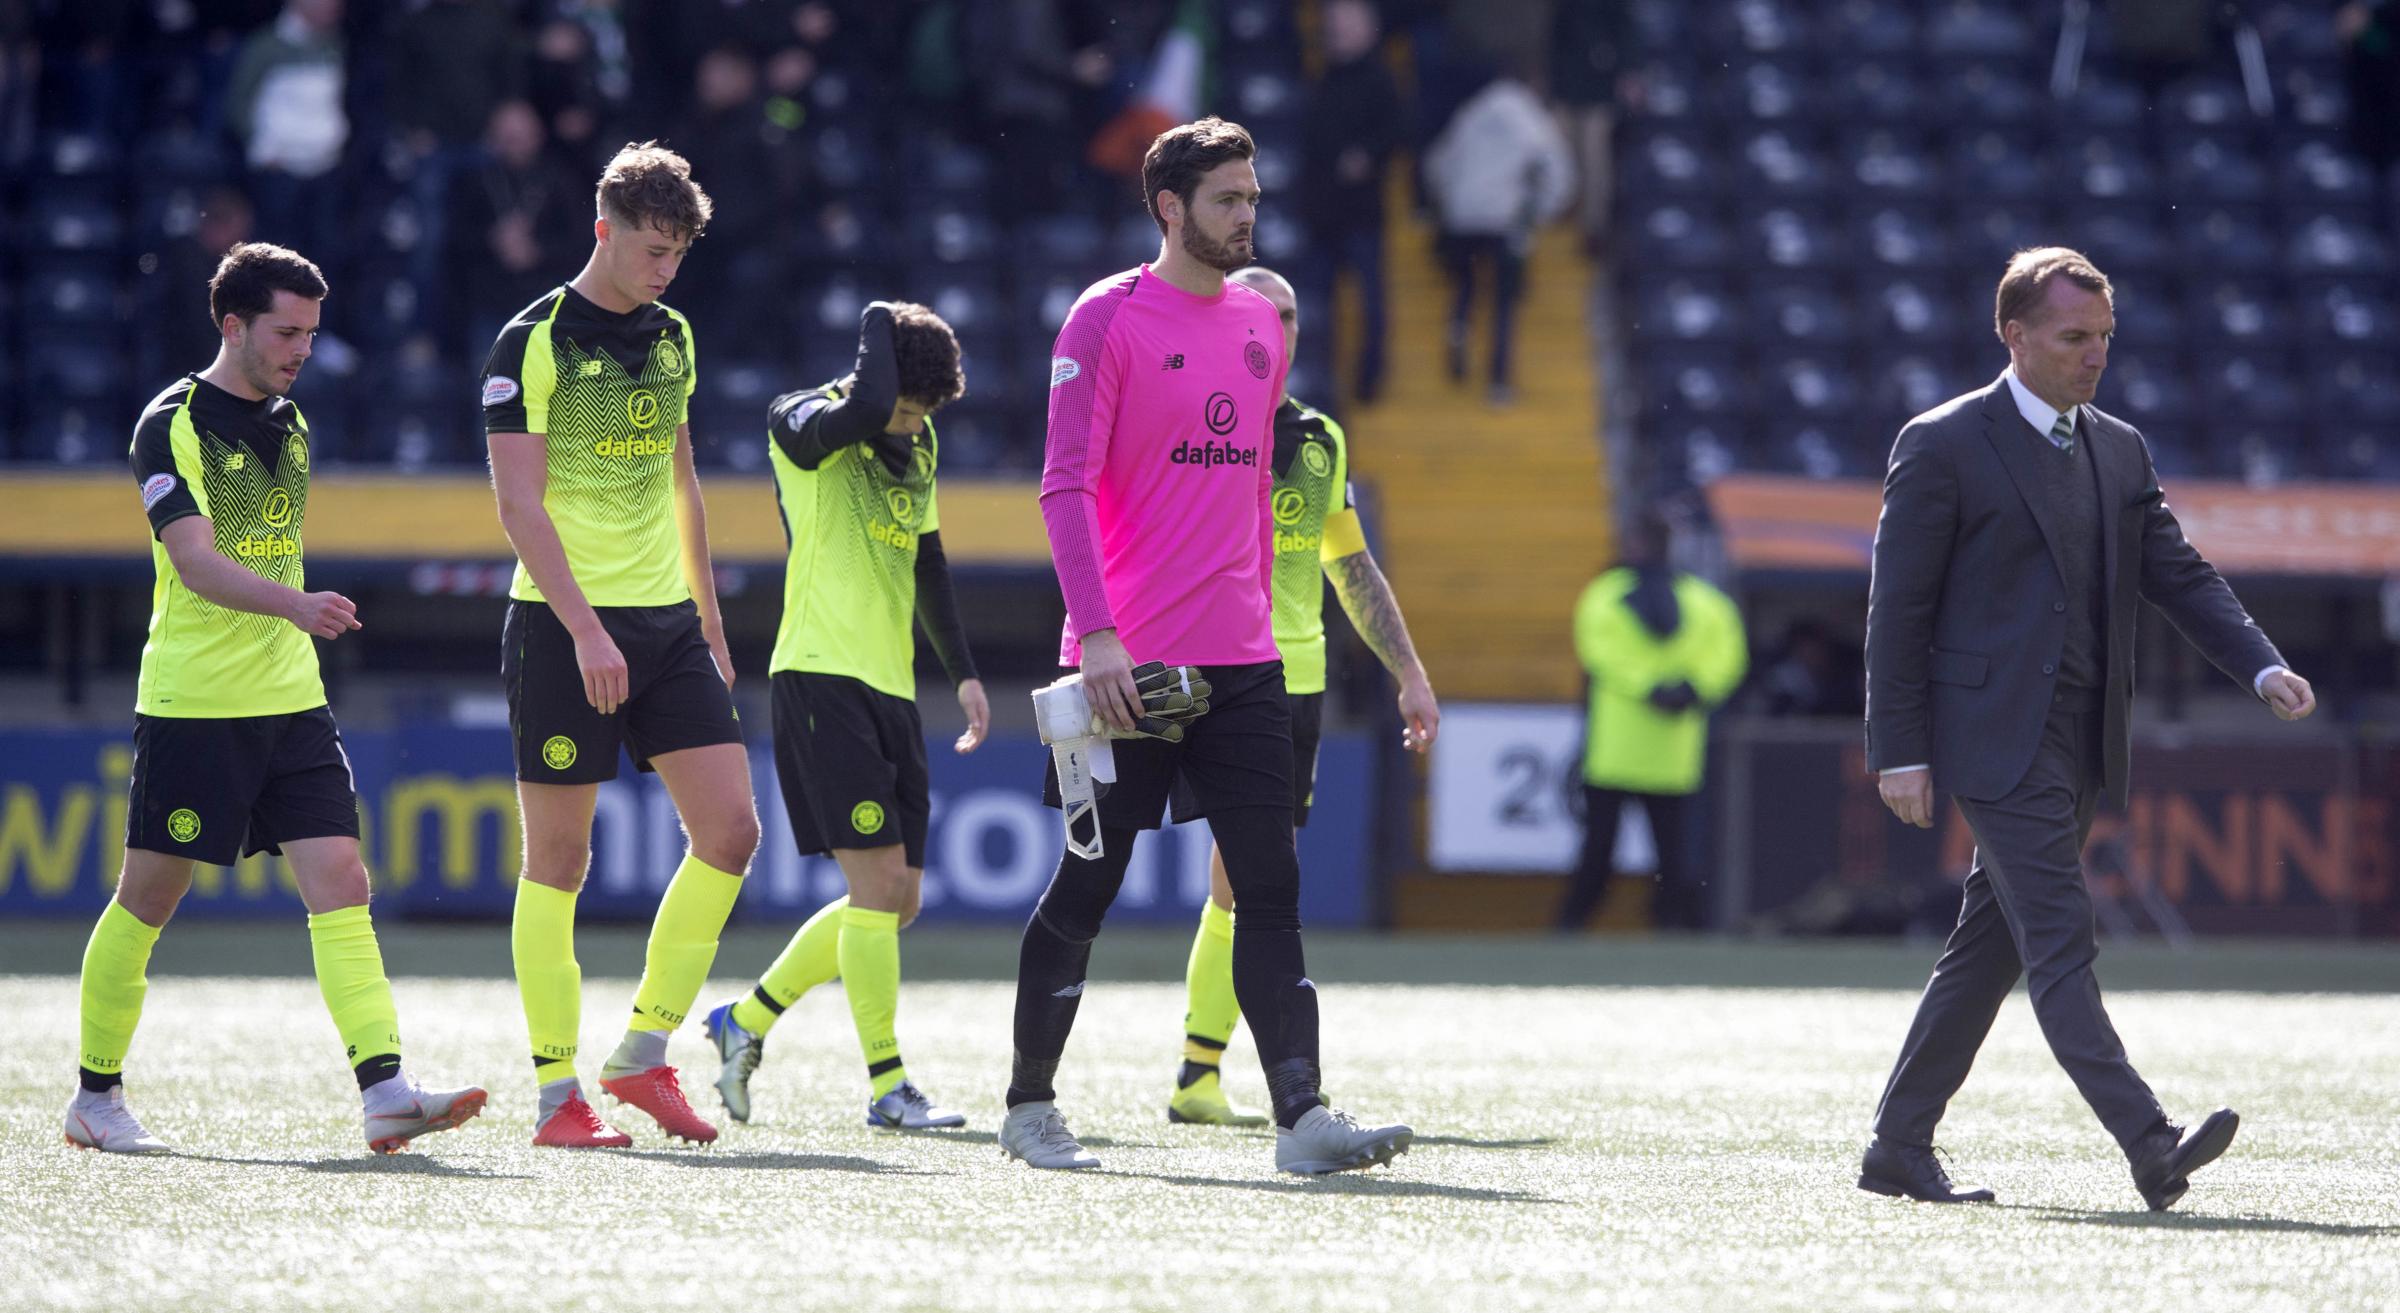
{"x": 250, "y": 275}
{"x": 648, "y": 186}
{"x": 927, "y": 354}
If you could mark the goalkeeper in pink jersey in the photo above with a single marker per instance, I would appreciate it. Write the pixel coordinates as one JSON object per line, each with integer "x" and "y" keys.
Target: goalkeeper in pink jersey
{"x": 1156, "y": 488}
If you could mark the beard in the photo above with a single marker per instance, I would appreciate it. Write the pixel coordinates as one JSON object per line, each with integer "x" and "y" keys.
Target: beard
{"x": 263, "y": 377}
{"x": 1220, "y": 256}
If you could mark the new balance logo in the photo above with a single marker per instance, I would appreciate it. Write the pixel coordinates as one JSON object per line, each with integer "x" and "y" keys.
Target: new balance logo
{"x": 1173, "y": 362}
{"x": 1072, "y": 991}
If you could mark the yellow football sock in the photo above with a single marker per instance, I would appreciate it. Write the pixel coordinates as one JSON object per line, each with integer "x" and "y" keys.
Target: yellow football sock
{"x": 683, "y": 942}
{"x": 812, "y": 958}
{"x": 115, "y": 964}
{"x": 1210, "y": 1009}
{"x": 350, "y": 976}
{"x": 870, "y": 961}
{"x": 542, "y": 940}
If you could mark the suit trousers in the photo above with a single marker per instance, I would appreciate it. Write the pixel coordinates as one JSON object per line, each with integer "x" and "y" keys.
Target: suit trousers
{"x": 2026, "y": 911}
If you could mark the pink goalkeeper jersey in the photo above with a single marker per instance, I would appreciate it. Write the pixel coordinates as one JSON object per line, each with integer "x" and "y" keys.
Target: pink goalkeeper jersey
{"x": 1158, "y": 474}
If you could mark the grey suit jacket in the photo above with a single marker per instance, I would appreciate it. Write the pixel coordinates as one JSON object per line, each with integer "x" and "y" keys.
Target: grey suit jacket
{"x": 1966, "y": 611}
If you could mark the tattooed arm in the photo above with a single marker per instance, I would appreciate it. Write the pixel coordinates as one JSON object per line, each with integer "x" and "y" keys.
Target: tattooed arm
{"x": 1367, "y": 598}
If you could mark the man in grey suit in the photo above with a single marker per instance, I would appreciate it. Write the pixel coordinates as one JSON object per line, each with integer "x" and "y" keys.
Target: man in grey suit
{"x": 2020, "y": 527}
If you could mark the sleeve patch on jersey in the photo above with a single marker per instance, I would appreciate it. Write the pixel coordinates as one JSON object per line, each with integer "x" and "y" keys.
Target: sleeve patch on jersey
{"x": 155, "y": 488}
{"x": 1062, "y": 369}
{"x": 497, "y": 389}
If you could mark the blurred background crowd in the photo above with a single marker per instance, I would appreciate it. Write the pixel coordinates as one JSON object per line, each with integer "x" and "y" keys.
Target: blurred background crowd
{"x": 436, "y": 158}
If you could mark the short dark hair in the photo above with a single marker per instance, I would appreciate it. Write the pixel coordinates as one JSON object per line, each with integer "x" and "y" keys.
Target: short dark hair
{"x": 2028, "y": 279}
{"x": 1179, "y": 157}
{"x": 250, "y": 275}
{"x": 927, "y": 353}
{"x": 648, "y": 186}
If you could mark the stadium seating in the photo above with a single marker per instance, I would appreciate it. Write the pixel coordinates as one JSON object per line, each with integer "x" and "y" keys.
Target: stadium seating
{"x": 1808, "y": 260}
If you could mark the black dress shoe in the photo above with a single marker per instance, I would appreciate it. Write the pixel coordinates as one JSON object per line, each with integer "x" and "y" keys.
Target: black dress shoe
{"x": 1912, "y": 1171}
{"x": 2163, "y": 1166}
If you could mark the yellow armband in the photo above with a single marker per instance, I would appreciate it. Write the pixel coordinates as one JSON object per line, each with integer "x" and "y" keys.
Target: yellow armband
{"x": 1344, "y": 536}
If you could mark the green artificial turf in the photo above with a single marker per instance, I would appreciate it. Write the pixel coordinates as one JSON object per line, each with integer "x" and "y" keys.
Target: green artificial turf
{"x": 1681, "y": 1132}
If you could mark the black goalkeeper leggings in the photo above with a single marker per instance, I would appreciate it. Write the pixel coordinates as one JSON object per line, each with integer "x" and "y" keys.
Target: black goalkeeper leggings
{"x": 1270, "y": 978}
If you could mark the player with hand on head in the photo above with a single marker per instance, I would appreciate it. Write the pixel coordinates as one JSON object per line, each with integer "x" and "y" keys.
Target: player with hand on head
{"x": 854, "y": 463}
{"x": 613, "y": 636}
{"x": 1317, "y": 538}
{"x": 1156, "y": 493}
{"x": 235, "y": 750}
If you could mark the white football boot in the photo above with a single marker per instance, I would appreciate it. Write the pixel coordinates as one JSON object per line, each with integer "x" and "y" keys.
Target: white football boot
{"x": 103, "y": 1122}
{"x": 1330, "y": 1140}
{"x": 738, "y": 1054}
{"x": 399, "y": 1110}
{"x": 1037, "y": 1135}
{"x": 907, "y": 1109}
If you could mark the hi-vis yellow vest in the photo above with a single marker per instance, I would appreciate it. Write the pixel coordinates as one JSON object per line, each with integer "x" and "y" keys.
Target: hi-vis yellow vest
{"x": 1631, "y": 745}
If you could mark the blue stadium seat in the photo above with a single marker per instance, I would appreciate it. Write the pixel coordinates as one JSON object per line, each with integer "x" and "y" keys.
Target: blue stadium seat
{"x": 1771, "y": 91}
{"x": 1998, "y": 163}
{"x": 2347, "y": 314}
{"x": 1907, "y": 386}
{"x": 1801, "y": 315}
{"x": 1879, "y": 91}
{"x": 69, "y": 291}
{"x": 1887, "y": 164}
{"x": 1974, "y": 30}
{"x": 2233, "y": 238}
{"x": 1794, "y": 240}
{"x": 2144, "y": 389}
{"x": 1679, "y": 237}
{"x": 1701, "y": 382}
{"x": 1804, "y": 382}
{"x": 1671, "y": 164}
{"x": 1877, "y": 29}
{"x": 2330, "y": 245}
{"x": 1687, "y": 309}
{"x": 2353, "y": 452}
{"x": 2236, "y": 313}
{"x": 1984, "y": 92}
{"x": 2215, "y": 168}
{"x": 1779, "y": 167}
{"x": 1902, "y": 236}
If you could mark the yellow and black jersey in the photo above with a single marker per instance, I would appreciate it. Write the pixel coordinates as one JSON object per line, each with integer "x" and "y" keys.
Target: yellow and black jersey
{"x": 607, "y": 392}
{"x": 200, "y": 450}
{"x": 1314, "y": 524}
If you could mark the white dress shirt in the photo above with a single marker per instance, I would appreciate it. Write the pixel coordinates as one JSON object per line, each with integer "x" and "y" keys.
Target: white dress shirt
{"x": 2043, "y": 416}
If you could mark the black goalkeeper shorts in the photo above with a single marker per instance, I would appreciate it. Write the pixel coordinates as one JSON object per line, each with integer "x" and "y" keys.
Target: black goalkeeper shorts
{"x": 1308, "y": 728}
{"x": 1238, "y": 755}
{"x": 675, "y": 699}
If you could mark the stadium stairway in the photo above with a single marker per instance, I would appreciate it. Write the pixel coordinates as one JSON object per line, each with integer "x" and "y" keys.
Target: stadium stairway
{"x": 1490, "y": 519}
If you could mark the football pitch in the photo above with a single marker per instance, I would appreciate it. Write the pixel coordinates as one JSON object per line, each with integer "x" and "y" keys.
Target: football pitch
{"x": 1601, "y": 1124}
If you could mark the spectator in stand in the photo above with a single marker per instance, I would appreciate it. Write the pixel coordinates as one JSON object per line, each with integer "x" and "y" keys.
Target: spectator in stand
{"x": 731, "y": 142}
{"x": 1814, "y": 675}
{"x": 570, "y": 86}
{"x": 453, "y": 62}
{"x": 2370, "y": 33}
{"x": 1031, "y": 72}
{"x": 1498, "y": 171}
{"x": 286, "y": 108}
{"x": 1355, "y": 121}
{"x": 186, "y": 330}
{"x": 501, "y": 214}
{"x": 1590, "y": 53}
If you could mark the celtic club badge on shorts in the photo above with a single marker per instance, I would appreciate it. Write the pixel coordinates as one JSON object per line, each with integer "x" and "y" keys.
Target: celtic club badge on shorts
{"x": 183, "y": 825}
{"x": 559, "y": 752}
{"x": 867, "y": 817}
